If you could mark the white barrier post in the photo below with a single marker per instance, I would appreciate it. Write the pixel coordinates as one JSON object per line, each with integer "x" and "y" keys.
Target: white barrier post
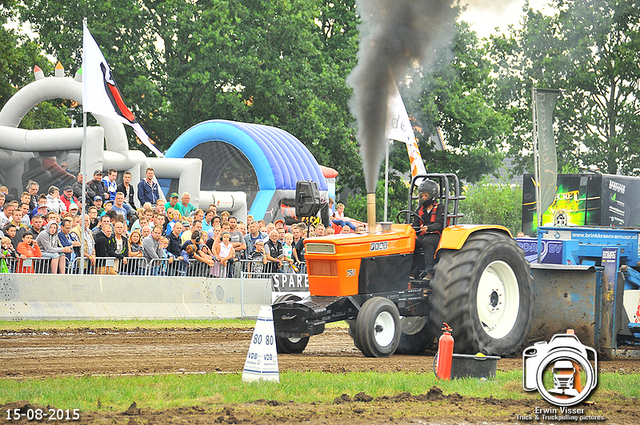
{"x": 262, "y": 358}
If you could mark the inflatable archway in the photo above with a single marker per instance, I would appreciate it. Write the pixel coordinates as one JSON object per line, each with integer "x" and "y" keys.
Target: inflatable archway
{"x": 267, "y": 158}
{"x": 18, "y": 146}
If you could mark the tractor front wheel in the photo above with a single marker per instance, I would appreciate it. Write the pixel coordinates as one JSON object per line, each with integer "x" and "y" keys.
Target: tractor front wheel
{"x": 378, "y": 328}
{"x": 290, "y": 345}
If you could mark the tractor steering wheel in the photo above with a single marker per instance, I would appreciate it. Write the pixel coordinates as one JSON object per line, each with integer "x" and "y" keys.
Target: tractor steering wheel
{"x": 412, "y": 214}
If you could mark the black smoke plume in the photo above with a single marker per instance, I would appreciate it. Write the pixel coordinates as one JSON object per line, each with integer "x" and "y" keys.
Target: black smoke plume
{"x": 396, "y": 36}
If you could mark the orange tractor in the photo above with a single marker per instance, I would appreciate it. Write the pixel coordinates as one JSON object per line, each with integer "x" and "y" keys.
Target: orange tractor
{"x": 481, "y": 286}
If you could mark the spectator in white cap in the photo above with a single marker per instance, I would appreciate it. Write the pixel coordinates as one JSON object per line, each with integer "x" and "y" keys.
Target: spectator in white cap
{"x": 73, "y": 209}
{"x": 42, "y": 209}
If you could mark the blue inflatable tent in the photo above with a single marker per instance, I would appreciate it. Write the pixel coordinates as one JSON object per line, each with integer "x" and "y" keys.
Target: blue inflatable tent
{"x": 254, "y": 158}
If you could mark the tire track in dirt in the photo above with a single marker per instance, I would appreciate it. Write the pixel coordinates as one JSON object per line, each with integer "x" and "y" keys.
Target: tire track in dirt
{"x": 160, "y": 351}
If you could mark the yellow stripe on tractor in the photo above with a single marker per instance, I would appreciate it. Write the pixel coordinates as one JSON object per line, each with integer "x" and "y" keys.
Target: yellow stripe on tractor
{"x": 454, "y": 237}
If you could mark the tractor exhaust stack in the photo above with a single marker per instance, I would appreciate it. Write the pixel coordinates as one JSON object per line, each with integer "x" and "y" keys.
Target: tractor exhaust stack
{"x": 371, "y": 212}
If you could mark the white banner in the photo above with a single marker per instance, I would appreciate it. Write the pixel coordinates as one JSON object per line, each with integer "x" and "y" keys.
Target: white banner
{"x": 399, "y": 128}
{"x": 100, "y": 93}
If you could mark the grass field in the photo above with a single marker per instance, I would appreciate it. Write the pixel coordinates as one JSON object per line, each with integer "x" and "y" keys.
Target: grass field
{"x": 95, "y": 393}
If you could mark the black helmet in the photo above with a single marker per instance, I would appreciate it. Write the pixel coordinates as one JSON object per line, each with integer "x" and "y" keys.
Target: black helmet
{"x": 430, "y": 187}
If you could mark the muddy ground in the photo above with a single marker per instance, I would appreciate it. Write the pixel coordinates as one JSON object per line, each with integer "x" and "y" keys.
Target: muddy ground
{"x": 37, "y": 354}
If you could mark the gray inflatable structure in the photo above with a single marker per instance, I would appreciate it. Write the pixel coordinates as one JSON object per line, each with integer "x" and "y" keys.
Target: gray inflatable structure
{"x": 106, "y": 146}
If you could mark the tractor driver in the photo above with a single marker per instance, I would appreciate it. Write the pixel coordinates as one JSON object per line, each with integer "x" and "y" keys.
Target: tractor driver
{"x": 430, "y": 221}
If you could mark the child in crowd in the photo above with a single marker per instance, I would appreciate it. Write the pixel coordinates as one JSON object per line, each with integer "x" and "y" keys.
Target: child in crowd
{"x": 166, "y": 255}
{"x": 257, "y": 257}
{"x": 181, "y": 261}
{"x": 175, "y": 218}
{"x": 7, "y": 255}
{"x": 224, "y": 252}
{"x": 27, "y": 249}
{"x": 214, "y": 238}
{"x": 186, "y": 253}
{"x": 190, "y": 250}
{"x": 135, "y": 244}
{"x": 108, "y": 204}
{"x": 164, "y": 243}
{"x": 287, "y": 255}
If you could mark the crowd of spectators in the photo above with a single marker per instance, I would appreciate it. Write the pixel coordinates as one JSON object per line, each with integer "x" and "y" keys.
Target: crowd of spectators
{"x": 131, "y": 230}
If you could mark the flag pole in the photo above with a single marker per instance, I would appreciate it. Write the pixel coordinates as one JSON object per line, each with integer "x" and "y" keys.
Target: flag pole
{"x": 83, "y": 170}
{"x": 386, "y": 182}
{"x": 83, "y": 163}
{"x": 536, "y": 166}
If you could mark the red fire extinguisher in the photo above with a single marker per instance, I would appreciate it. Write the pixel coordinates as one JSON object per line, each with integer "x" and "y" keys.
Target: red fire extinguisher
{"x": 445, "y": 354}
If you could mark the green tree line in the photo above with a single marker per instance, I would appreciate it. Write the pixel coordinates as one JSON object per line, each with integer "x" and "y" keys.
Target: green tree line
{"x": 285, "y": 63}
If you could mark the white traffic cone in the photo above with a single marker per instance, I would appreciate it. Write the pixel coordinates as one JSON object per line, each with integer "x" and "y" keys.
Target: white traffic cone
{"x": 262, "y": 358}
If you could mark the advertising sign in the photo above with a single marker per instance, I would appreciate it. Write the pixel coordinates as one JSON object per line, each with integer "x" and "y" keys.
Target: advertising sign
{"x": 577, "y": 202}
{"x": 551, "y": 250}
{"x": 620, "y": 201}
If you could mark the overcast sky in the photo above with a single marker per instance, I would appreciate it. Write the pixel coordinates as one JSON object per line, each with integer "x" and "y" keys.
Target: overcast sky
{"x": 485, "y": 15}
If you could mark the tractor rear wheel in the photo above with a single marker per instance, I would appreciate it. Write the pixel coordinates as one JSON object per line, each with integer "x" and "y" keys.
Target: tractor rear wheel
{"x": 290, "y": 345}
{"x": 378, "y": 328}
{"x": 483, "y": 291}
{"x": 417, "y": 335}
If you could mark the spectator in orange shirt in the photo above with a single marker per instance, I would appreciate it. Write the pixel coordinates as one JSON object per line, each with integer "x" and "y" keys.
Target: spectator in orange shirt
{"x": 27, "y": 249}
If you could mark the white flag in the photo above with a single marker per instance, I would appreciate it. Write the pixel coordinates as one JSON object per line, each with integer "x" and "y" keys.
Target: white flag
{"x": 399, "y": 128}
{"x": 100, "y": 93}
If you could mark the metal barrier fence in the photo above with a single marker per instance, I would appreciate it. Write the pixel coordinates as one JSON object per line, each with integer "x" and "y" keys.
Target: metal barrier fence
{"x": 254, "y": 270}
{"x": 137, "y": 266}
{"x": 26, "y": 265}
{"x": 29, "y": 296}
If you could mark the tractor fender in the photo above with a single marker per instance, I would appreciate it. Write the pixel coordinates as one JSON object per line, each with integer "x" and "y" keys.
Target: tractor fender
{"x": 454, "y": 237}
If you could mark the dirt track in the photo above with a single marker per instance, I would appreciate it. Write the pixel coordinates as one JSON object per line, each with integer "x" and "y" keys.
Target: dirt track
{"x": 30, "y": 354}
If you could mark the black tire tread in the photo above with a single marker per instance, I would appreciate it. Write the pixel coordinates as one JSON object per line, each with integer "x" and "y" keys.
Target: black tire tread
{"x": 285, "y": 345}
{"x": 419, "y": 342}
{"x": 353, "y": 333}
{"x": 452, "y": 301}
{"x": 366, "y": 317}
